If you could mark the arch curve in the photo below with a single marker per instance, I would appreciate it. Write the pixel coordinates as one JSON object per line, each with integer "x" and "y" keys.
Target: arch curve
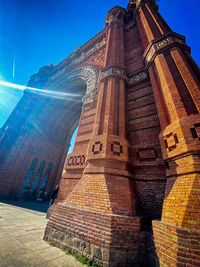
{"x": 87, "y": 73}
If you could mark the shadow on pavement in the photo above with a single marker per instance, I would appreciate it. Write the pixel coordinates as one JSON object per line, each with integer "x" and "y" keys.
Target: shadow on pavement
{"x": 32, "y": 205}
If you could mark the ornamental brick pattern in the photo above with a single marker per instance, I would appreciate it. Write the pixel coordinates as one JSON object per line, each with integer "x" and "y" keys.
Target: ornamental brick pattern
{"x": 129, "y": 191}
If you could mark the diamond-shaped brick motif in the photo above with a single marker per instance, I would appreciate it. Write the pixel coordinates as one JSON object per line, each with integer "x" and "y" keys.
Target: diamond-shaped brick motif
{"x": 116, "y": 148}
{"x": 196, "y": 131}
{"x": 97, "y": 148}
{"x": 171, "y": 141}
{"x": 70, "y": 161}
{"x": 76, "y": 160}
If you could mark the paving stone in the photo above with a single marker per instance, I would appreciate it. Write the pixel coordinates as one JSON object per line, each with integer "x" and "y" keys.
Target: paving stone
{"x": 50, "y": 253}
{"x": 37, "y": 245}
{"x": 22, "y": 243}
{"x": 62, "y": 262}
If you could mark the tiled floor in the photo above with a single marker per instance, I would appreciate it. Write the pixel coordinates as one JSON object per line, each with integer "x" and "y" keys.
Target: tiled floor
{"x": 21, "y": 238}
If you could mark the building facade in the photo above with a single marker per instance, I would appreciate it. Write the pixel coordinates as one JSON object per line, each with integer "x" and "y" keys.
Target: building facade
{"x": 129, "y": 191}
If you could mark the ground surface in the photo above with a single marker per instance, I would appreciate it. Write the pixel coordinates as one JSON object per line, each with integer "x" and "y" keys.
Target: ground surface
{"x": 21, "y": 237}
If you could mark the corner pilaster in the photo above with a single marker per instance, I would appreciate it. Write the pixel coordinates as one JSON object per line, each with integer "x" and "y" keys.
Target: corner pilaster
{"x": 176, "y": 88}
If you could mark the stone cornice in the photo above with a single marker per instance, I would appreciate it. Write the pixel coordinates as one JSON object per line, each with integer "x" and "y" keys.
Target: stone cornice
{"x": 113, "y": 71}
{"x": 137, "y": 77}
{"x": 164, "y": 42}
{"x": 47, "y": 73}
{"x": 80, "y": 53}
{"x": 78, "y": 56}
{"x": 115, "y": 15}
{"x": 131, "y": 79}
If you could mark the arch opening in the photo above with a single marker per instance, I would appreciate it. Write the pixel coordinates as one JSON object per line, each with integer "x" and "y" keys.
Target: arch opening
{"x": 84, "y": 83}
{"x": 80, "y": 116}
{"x": 47, "y": 130}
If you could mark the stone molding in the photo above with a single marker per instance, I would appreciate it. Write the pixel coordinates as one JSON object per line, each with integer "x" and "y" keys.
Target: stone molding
{"x": 115, "y": 15}
{"x": 135, "y": 78}
{"x": 157, "y": 46}
{"x": 131, "y": 79}
{"x": 84, "y": 55}
{"x": 113, "y": 71}
{"x": 50, "y": 73}
{"x": 90, "y": 75}
{"x": 80, "y": 54}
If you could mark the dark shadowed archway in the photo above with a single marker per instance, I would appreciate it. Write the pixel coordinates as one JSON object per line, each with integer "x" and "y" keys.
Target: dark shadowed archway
{"x": 45, "y": 131}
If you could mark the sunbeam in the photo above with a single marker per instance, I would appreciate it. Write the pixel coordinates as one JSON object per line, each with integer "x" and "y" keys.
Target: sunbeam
{"x": 49, "y": 93}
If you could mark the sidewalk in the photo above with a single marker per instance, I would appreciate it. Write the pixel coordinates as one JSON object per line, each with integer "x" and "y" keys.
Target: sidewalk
{"x": 21, "y": 237}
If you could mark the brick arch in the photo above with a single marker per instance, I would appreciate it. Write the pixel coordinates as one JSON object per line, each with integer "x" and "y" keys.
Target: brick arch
{"x": 69, "y": 119}
{"x": 88, "y": 73}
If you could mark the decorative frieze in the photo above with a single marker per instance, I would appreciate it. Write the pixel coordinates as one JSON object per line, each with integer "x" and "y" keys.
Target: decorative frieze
{"x": 77, "y": 59}
{"x": 76, "y": 160}
{"x": 77, "y": 56}
{"x": 161, "y": 44}
{"x": 137, "y": 77}
{"x": 113, "y": 70}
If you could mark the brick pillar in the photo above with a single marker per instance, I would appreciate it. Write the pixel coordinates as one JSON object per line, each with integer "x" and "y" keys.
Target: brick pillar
{"x": 151, "y": 24}
{"x": 176, "y": 88}
{"x": 98, "y": 218}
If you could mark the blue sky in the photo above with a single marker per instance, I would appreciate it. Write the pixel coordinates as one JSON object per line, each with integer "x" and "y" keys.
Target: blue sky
{"x": 40, "y": 32}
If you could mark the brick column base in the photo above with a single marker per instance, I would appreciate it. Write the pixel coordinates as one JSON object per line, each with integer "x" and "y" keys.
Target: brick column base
{"x": 50, "y": 210}
{"x": 176, "y": 246}
{"x": 109, "y": 239}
